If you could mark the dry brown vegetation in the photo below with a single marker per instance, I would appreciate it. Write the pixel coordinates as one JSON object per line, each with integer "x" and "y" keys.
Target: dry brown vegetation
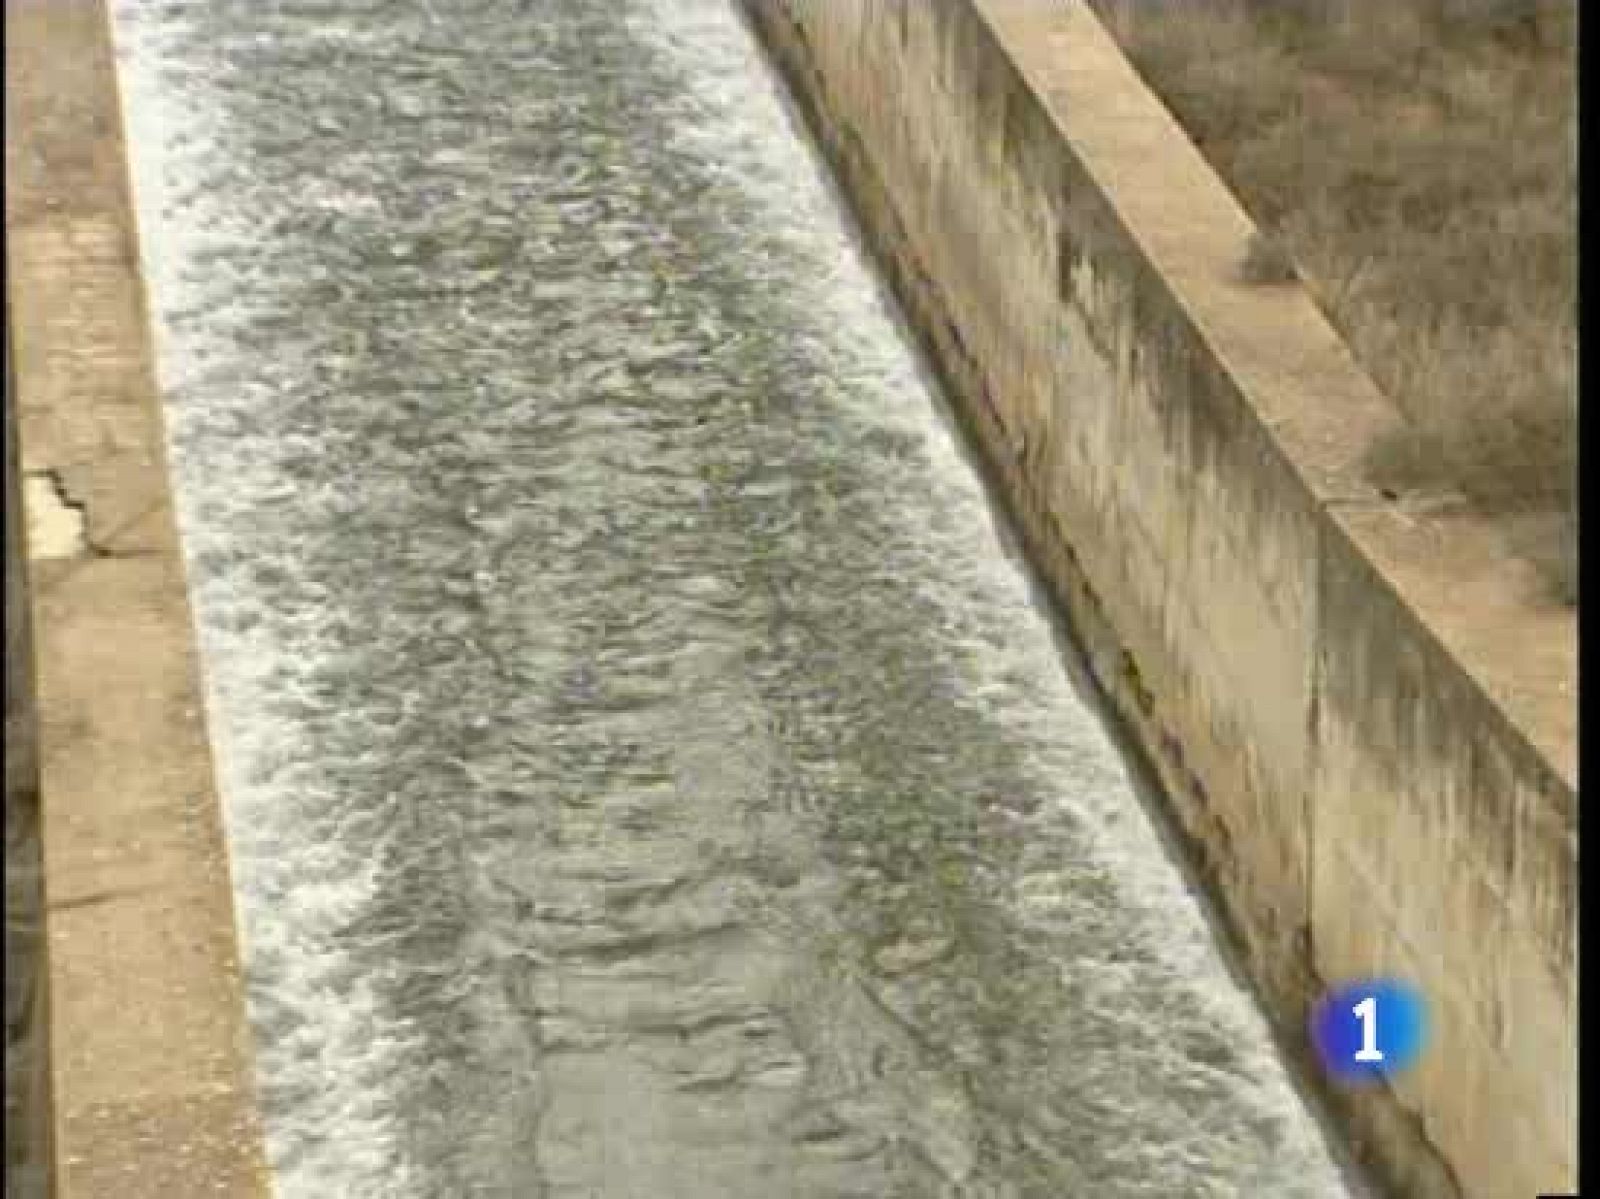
{"x": 1418, "y": 160}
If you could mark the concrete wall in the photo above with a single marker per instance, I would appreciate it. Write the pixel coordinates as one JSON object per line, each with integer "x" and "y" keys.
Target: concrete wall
{"x": 153, "y": 1087}
{"x": 27, "y": 1060}
{"x": 1363, "y": 724}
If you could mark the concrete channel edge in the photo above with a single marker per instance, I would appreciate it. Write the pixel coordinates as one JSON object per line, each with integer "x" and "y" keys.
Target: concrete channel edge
{"x": 149, "y": 1044}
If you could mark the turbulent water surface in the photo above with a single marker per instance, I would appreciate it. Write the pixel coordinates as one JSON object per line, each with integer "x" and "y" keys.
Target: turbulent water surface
{"x": 648, "y": 774}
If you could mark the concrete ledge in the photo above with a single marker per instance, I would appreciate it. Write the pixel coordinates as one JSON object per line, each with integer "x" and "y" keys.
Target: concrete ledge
{"x": 1365, "y": 722}
{"x": 153, "y": 1085}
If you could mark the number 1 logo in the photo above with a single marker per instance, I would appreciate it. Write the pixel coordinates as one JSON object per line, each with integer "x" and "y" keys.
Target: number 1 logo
{"x": 1370, "y": 1029}
{"x": 1367, "y": 1012}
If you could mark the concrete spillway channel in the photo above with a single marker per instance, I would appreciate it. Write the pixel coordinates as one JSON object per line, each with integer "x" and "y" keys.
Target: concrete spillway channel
{"x": 647, "y": 770}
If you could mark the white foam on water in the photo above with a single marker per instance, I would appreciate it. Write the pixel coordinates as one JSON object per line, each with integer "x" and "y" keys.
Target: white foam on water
{"x": 304, "y": 871}
{"x": 294, "y": 894}
{"x": 1013, "y": 659}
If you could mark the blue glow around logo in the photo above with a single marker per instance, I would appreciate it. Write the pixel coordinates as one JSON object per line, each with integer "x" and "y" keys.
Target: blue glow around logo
{"x": 1369, "y": 1030}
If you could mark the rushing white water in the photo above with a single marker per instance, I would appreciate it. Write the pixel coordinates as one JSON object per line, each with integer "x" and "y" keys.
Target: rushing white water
{"x": 647, "y": 772}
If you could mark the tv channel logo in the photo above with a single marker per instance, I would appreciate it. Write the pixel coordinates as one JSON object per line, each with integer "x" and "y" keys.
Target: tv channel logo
{"x": 1369, "y": 1030}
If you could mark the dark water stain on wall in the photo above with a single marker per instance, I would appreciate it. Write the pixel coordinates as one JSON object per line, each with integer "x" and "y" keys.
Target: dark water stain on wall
{"x": 26, "y": 1087}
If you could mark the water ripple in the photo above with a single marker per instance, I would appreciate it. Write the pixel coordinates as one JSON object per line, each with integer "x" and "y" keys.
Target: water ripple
{"x": 647, "y": 772}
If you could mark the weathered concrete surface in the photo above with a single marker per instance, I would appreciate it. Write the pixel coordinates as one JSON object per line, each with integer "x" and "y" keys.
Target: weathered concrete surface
{"x": 1367, "y": 726}
{"x": 152, "y": 1078}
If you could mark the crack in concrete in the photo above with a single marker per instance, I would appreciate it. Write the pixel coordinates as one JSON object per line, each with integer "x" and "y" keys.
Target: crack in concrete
{"x": 59, "y": 520}
{"x": 1413, "y": 510}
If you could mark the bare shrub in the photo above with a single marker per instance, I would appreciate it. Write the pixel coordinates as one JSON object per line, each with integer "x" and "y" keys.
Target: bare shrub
{"x": 1418, "y": 160}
